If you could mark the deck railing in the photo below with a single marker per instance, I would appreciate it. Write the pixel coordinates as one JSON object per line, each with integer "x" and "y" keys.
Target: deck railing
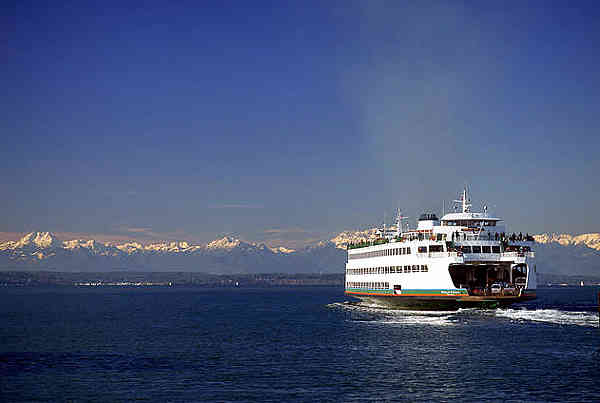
{"x": 438, "y": 254}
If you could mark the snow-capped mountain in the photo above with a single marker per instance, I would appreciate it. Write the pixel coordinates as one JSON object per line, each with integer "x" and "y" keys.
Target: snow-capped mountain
{"x": 42, "y": 250}
{"x": 33, "y": 240}
{"x": 555, "y": 253}
{"x": 590, "y": 240}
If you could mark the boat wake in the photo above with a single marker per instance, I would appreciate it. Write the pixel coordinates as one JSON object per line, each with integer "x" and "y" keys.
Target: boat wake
{"x": 376, "y": 314}
{"x": 360, "y": 312}
{"x": 554, "y": 316}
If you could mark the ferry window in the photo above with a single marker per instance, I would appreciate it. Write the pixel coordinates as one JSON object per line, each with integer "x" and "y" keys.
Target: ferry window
{"x": 436, "y": 248}
{"x": 495, "y": 249}
{"x": 466, "y": 249}
{"x": 406, "y": 269}
{"x": 476, "y": 249}
{"x": 423, "y": 267}
{"x": 422, "y": 249}
{"x": 408, "y": 251}
{"x": 486, "y": 249}
{"x": 415, "y": 268}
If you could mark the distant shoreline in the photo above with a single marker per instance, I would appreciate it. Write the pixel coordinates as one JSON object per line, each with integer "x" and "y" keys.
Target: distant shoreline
{"x": 166, "y": 279}
{"x": 199, "y": 279}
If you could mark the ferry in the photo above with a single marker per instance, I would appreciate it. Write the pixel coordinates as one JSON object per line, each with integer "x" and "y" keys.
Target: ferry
{"x": 465, "y": 259}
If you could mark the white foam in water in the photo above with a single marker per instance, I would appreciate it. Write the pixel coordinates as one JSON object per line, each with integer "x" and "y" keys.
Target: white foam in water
{"x": 403, "y": 317}
{"x": 412, "y": 319}
{"x": 550, "y": 316}
{"x": 444, "y": 318}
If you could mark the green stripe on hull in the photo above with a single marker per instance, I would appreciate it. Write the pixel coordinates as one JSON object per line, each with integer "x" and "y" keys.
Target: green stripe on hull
{"x": 417, "y": 292}
{"x": 369, "y": 291}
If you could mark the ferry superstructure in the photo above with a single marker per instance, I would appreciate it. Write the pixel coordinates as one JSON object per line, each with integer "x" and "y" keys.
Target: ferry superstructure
{"x": 464, "y": 259}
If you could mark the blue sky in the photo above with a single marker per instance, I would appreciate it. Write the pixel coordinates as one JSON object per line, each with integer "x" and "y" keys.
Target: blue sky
{"x": 291, "y": 121}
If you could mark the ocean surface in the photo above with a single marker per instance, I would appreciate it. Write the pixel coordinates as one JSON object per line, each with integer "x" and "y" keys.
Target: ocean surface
{"x": 290, "y": 344}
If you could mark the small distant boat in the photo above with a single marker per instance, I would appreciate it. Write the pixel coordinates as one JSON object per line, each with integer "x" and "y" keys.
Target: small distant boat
{"x": 463, "y": 260}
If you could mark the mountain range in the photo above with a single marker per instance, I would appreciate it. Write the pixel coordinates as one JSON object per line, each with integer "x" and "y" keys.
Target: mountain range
{"x": 555, "y": 253}
{"x": 43, "y": 251}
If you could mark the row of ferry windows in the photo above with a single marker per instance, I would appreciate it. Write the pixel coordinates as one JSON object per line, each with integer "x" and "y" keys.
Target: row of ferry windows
{"x": 396, "y": 252}
{"x": 423, "y": 249}
{"x": 480, "y": 249}
{"x": 389, "y": 269}
{"x": 371, "y": 285}
{"x": 384, "y": 252}
{"x": 469, "y": 223}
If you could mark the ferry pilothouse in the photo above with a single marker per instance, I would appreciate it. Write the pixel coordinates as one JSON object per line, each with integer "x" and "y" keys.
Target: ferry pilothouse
{"x": 466, "y": 259}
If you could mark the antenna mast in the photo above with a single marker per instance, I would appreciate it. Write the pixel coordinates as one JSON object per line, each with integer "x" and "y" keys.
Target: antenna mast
{"x": 466, "y": 205}
{"x": 399, "y": 218}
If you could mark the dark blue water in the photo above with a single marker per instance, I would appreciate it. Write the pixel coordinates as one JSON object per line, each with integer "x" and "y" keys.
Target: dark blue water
{"x": 169, "y": 344}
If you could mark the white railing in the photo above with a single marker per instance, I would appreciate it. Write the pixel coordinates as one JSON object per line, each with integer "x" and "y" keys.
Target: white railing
{"x": 513, "y": 254}
{"x": 438, "y": 254}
